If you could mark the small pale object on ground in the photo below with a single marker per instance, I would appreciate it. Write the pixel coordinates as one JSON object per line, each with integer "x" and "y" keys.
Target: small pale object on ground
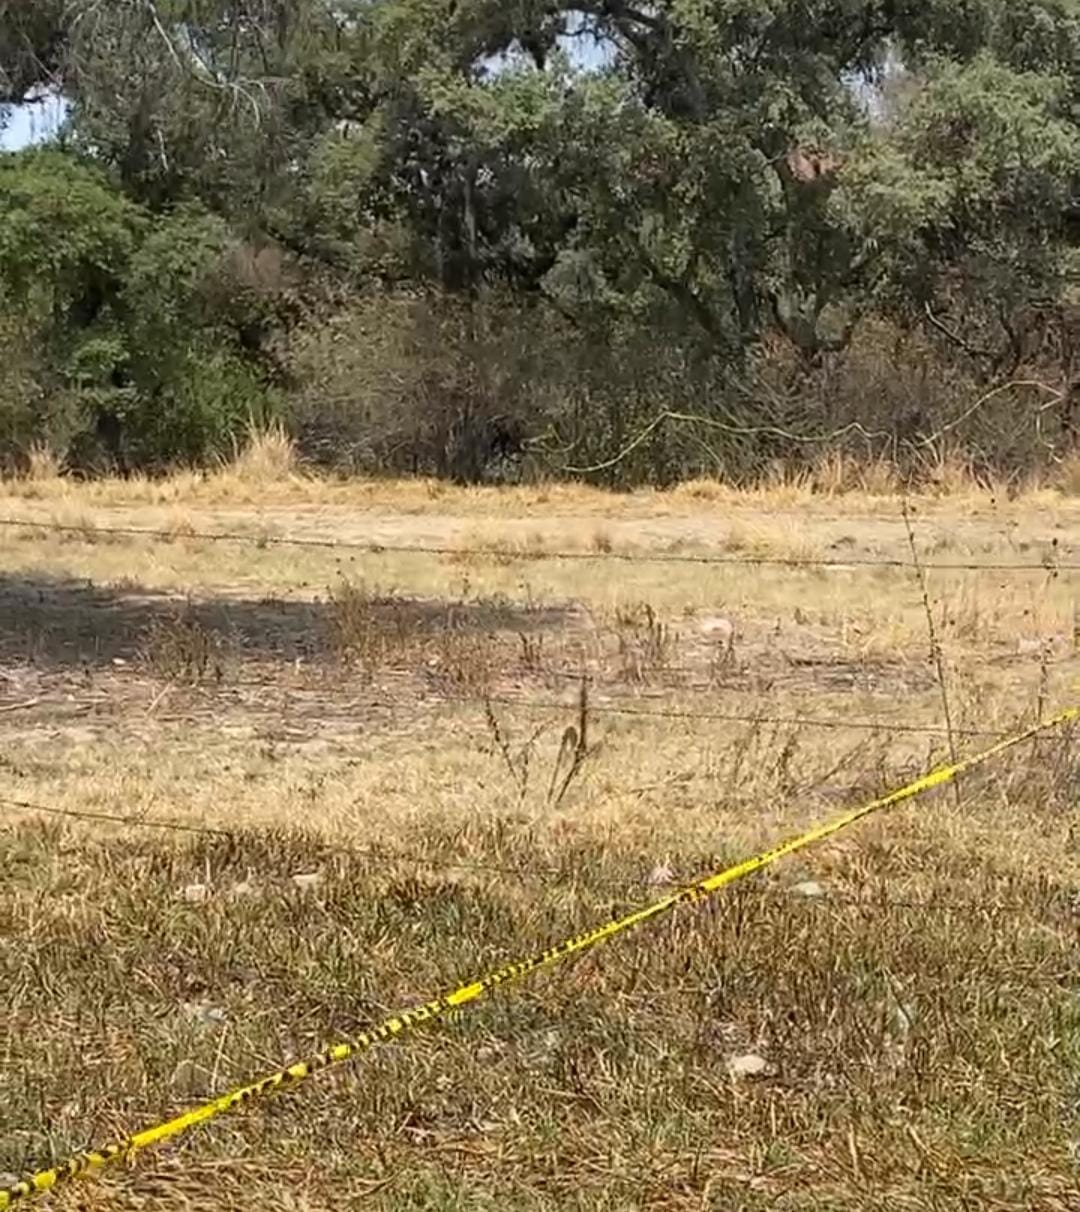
{"x": 747, "y": 1065}
{"x": 308, "y": 879}
{"x": 810, "y": 889}
{"x": 902, "y": 1019}
{"x": 660, "y": 875}
{"x": 202, "y": 1014}
{"x": 718, "y": 628}
{"x": 194, "y": 894}
{"x": 243, "y": 888}
{"x": 1027, "y": 647}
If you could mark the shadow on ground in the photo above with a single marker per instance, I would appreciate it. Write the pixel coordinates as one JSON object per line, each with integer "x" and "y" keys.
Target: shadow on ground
{"x": 64, "y": 623}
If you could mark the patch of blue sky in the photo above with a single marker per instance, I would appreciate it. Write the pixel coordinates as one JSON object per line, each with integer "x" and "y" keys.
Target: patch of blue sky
{"x": 36, "y": 122}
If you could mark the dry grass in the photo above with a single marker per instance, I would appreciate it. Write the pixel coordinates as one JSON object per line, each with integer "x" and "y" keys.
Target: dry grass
{"x": 918, "y": 1021}
{"x": 265, "y": 469}
{"x": 181, "y": 648}
{"x": 765, "y": 541}
{"x": 266, "y": 458}
{"x": 455, "y": 645}
{"x": 916, "y": 1056}
{"x": 1067, "y": 478}
{"x": 42, "y": 464}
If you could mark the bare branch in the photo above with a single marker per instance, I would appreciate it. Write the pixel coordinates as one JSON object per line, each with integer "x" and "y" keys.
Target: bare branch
{"x": 986, "y": 398}
{"x": 955, "y": 337}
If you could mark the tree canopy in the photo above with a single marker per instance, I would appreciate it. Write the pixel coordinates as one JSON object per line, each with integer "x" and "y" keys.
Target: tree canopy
{"x": 551, "y": 222}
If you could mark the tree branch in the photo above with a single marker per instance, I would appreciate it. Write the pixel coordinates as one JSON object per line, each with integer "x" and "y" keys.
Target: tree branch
{"x": 687, "y": 296}
{"x": 956, "y": 338}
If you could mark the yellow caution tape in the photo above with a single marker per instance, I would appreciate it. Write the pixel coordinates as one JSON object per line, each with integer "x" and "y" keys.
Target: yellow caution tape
{"x": 82, "y": 1164}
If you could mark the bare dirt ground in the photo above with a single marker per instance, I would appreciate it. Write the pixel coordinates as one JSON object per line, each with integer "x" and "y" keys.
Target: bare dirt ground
{"x": 407, "y": 728}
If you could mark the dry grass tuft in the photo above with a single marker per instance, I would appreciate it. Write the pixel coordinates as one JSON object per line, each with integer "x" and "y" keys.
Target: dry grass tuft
{"x": 448, "y": 643}
{"x": 839, "y": 474}
{"x": 178, "y": 524}
{"x": 369, "y": 629}
{"x": 762, "y": 540}
{"x": 77, "y": 524}
{"x": 268, "y": 457}
{"x": 43, "y": 465}
{"x": 490, "y": 545}
{"x": 181, "y": 648}
{"x": 646, "y": 643}
{"x": 1067, "y": 477}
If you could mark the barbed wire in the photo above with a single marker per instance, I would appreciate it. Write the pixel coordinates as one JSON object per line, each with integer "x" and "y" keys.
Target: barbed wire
{"x": 585, "y": 876}
{"x": 726, "y": 717}
{"x": 529, "y": 555}
{"x": 612, "y": 705}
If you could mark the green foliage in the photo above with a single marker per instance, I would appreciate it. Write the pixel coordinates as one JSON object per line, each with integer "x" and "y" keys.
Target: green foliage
{"x": 66, "y": 236}
{"x": 731, "y": 189}
{"x": 1000, "y": 140}
{"x": 207, "y": 401}
{"x": 122, "y": 310}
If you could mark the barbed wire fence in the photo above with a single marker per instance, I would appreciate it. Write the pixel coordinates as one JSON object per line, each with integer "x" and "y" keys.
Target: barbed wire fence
{"x": 565, "y": 875}
{"x": 526, "y": 554}
{"x": 580, "y": 878}
{"x": 612, "y": 705}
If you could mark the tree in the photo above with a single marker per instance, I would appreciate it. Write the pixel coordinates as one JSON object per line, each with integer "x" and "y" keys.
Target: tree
{"x": 33, "y": 49}
{"x": 151, "y": 330}
{"x": 726, "y": 185}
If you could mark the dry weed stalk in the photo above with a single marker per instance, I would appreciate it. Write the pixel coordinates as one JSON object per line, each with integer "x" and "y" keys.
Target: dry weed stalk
{"x": 574, "y": 750}
{"x": 937, "y": 655}
{"x": 181, "y": 648}
{"x": 645, "y": 642}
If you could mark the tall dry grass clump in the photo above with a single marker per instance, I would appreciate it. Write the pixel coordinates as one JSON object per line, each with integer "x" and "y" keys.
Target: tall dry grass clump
{"x": 40, "y": 474}
{"x": 1068, "y": 474}
{"x": 42, "y": 463}
{"x": 839, "y": 473}
{"x": 268, "y": 456}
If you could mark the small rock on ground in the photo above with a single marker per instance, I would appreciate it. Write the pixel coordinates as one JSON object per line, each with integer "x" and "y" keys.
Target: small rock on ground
{"x": 747, "y": 1065}
{"x": 810, "y": 889}
{"x": 202, "y": 1014}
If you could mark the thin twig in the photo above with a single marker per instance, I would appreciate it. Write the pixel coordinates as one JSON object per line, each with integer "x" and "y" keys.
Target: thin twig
{"x": 502, "y": 744}
{"x": 1044, "y": 644}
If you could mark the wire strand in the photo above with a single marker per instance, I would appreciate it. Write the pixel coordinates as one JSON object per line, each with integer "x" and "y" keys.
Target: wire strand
{"x": 528, "y": 556}
{"x": 569, "y": 875}
{"x": 615, "y": 705}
